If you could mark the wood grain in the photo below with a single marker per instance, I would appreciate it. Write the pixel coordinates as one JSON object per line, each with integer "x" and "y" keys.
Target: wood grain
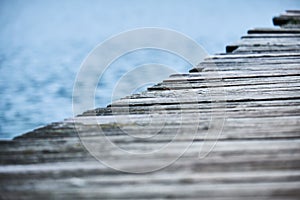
{"x": 253, "y": 90}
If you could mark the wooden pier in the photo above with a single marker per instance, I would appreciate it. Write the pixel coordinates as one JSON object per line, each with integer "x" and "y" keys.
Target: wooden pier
{"x": 257, "y": 154}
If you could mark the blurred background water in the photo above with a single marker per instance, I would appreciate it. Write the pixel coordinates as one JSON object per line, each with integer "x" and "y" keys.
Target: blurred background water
{"x": 43, "y": 43}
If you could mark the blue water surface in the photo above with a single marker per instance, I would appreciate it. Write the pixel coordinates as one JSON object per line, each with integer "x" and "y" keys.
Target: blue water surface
{"x": 43, "y": 43}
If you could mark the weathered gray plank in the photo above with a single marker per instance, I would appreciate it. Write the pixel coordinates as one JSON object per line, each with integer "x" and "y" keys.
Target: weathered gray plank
{"x": 256, "y": 156}
{"x": 273, "y": 31}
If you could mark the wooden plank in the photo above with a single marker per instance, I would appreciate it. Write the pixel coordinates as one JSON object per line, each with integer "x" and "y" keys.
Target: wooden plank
{"x": 287, "y": 36}
{"x": 250, "y": 96}
{"x": 254, "y": 56}
{"x": 245, "y": 49}
{"x": 273, "y": 31}
{"x": 232, "y": 74}
{"x": 245, "y": 67}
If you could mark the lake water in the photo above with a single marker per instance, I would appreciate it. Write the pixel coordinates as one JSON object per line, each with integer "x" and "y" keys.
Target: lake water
{"x": 43, "y": 43}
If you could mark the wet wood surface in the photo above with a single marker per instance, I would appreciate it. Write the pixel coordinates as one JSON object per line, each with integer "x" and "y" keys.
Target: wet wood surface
{"x": 254, "y": 89}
